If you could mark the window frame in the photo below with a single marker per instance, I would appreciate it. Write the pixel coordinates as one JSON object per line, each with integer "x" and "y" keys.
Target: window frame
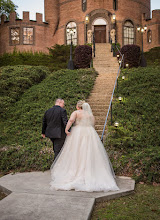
{"x": 25, "y": 35}
{"x": 115, "y": 5}
{"x": 149, "y": 31}
{"x": 84, "y": 5}
{"x": 10, "y": 37}
{"x": 130, "y": 36}
{"x": 73, "y": 38}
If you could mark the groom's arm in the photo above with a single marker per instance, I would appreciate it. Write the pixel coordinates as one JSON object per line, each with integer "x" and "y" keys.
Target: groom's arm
{"x": 44, "y": 125}
{"x": 64, "y": 117}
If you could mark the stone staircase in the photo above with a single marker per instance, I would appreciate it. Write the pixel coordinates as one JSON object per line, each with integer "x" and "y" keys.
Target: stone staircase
{"x": 107, "y": 67}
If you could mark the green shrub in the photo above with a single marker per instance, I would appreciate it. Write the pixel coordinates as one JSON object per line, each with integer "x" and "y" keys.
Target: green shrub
{"x": 131, "y": 55}
{"x": 57, "y": 58}
{"x": 21, "y": 146}
{"x": 14, "y": 80}
{"x": 135, "y": 143}
{"x": 153, "y": 56}
{"x": 83, "y": 56}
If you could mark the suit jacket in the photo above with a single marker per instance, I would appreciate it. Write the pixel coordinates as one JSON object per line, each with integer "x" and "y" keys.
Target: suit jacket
{"x": 54, "y": 122}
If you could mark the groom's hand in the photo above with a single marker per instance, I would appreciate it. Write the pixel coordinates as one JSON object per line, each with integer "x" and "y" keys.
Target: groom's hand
{"x": 67, "y": 132}
{"x": 43, "y": 135}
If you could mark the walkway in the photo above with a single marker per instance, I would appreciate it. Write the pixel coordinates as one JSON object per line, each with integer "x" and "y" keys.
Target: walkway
{"x": 30, "y": 198}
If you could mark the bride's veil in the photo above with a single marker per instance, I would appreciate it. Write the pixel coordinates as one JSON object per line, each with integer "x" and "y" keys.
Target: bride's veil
{"x": 86, "y": 107}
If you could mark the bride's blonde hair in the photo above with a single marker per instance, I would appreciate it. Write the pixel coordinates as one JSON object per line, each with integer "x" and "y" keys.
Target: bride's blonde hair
{"x": 80, "y": 103}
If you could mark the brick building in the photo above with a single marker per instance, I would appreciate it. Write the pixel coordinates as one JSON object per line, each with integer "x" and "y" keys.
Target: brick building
{"x": 104, "y": 18}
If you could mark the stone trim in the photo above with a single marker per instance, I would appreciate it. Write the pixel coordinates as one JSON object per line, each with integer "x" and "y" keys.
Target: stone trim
{"x": 65, "y": 2}
{"x": 7, "y": 23}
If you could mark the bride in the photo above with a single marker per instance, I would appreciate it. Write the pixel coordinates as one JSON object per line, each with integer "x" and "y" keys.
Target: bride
{"x": 83, "y": 164}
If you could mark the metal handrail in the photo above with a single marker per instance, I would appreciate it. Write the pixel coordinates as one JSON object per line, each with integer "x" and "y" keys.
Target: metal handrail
{"x": 119, "y": 51}
{"x": 111, "y": 98}
{"x": 94, "y": 45}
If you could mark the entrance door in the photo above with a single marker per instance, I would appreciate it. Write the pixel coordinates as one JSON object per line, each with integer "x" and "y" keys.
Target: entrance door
{"x": 100, "y": 33}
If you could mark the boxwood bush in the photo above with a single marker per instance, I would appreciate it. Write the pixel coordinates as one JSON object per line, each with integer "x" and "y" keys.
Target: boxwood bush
{"x": 131, "y": 55}
{"x": 83, "y": 56}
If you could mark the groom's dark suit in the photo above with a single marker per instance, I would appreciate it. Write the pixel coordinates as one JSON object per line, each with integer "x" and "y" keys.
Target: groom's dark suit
{"x": 54, "y": 123}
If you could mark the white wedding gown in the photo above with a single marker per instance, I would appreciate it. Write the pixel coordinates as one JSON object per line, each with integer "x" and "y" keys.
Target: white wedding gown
{"x": 83, "y": 164}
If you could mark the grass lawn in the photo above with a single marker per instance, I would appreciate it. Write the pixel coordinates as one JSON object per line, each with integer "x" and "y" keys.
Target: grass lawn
{"x": 144, "y": 204}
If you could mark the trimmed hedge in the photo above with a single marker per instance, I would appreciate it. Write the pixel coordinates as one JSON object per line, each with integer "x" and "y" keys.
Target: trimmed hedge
{"x": 21, "y": 146}
{"x": 131, "y": 55}
{"x": 134, "y": 145}
{"x": 83, "y": 56}
{"x": 57, "y": 58}
{"x": 15, "y": 80}
{"x": 153, "y": 56}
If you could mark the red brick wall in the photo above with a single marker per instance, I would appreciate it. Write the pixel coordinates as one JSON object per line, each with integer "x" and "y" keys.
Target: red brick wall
{"x": 59, "y": 12}
{"x": 127, "y": 9}
{"x": 40, "y": 37}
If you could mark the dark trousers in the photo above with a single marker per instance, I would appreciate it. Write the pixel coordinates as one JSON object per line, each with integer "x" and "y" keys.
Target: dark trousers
{"x": 57, "y": 145}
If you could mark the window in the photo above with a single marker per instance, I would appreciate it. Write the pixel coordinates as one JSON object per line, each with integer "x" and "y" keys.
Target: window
{"x": 27, "y": 35}
{"x": 71, "y": 26}
{"x": 128, "y": 33}
{"x": 84, "y": 5}
{"x": 115, "y": 5}
{"x": 15, "y": 35}
{"x": 149, "y": 36}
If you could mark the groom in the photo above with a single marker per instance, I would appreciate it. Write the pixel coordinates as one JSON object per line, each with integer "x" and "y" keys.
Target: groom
{"x": 54, "y": 123}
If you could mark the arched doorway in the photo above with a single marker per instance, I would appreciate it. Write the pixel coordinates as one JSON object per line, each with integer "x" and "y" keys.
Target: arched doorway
{"x": 100, "y": 30}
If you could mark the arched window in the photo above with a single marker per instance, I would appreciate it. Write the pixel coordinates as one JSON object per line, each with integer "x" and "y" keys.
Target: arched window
{"x": 128, "y": 32}
{"x": 149, "y": 36}
{"x": 115, "y": 5}
{"x": 84, "y": 5}
{"x": 71, "y": 31}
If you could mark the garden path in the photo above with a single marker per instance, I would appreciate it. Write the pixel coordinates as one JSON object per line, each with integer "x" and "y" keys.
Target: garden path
{"x": 107, "y": 67}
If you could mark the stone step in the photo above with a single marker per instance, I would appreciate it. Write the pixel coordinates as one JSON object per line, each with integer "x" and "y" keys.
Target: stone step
{"x": 103, "y": 108}
{"x": 100, "y": 127}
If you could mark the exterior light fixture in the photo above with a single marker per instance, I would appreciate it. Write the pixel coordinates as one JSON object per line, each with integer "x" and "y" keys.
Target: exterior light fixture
{"x": 118, "y": 56}
{"x": 116, "y": 124}
{"x": 120, "y": 99}
{"x": 123, "y": 77}
{"x": 71, "y": 31}
{"x": 86, "y": 23}
{"x": 138, "y": 28}
{"x": 145, "y": 27}
{"x": 127, "y": 65}
{"x": 114, "y": 17}
{"x": 142, "y": 30}
{"x": 87, "y": 19}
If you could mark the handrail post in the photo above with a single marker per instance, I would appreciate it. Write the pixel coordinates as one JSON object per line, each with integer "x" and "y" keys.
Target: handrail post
{"x": 111, "y": 46}
{"x": 94, "y": 46}
{"x": 111, "y": 113}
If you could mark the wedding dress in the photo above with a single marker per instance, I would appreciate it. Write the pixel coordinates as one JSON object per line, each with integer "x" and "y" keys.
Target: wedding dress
{"x": 83, "y": 164}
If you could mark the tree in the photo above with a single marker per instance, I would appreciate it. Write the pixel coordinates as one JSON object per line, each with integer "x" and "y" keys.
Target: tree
{"x": 6, "y": 7}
